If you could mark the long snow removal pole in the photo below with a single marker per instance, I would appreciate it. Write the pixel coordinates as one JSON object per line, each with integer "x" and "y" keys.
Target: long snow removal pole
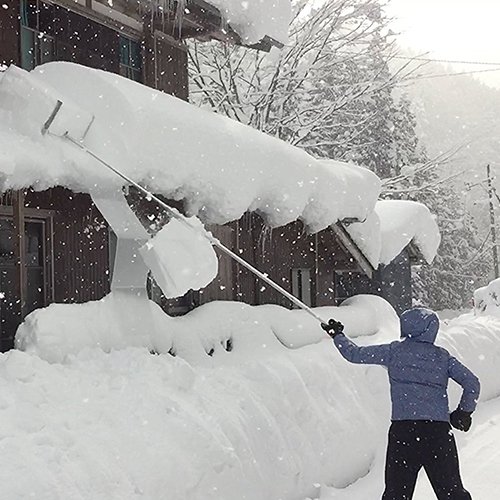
{"x": 216, "y": 243}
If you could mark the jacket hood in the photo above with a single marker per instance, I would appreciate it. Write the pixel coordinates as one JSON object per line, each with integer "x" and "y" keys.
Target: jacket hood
{"x": 419, "y": 324}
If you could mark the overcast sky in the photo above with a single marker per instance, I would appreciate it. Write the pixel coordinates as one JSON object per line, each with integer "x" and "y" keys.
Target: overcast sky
{"x": 452, "y": 29}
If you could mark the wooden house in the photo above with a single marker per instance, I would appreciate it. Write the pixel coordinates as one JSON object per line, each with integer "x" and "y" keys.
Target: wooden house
{"x": 56, "y": 246}
{"x": 408, "y": 236}
{"x": 392, "y": 281}
{"x": 44, "y": 257}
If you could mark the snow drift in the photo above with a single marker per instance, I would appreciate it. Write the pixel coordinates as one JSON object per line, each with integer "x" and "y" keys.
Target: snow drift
{"x": 248, "y": 419}
{"x": 124, "y": 319}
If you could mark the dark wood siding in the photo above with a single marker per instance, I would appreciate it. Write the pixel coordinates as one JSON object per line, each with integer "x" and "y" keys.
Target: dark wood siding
{"x": 9, "y": 33}
{"x": 224, "y": 285}
{"x": 333, "y": 258}
{"x": 276, "y": 252}
{"x": 80, "y": 245}
{"x": 165, "y": 64}
{"x": 393, "y": 282}
{"x": 76, "y": 38}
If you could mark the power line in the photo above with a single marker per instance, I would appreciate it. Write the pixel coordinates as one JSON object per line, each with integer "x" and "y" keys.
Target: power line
{"x": 440, "y": 75}
{"x": 449, "y": 61}
{"x": 431, "y": 59}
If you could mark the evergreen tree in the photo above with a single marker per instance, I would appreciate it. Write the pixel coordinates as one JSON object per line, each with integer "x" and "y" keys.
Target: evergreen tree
{"x": 461, "y": 264}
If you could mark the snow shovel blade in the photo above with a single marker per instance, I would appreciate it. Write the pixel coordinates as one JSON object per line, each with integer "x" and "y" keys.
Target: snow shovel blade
{"x": 68, "y": 120}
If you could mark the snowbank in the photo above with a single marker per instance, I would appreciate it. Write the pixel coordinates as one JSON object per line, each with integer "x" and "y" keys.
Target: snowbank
{"x": 257, "y": 421}
{"x": 219, "y": 166}
{"x": 203, "y": 336}
{"x": 487, "y": 299}
{"x": 392, "y": 227}
{"x": 253, "y": 20}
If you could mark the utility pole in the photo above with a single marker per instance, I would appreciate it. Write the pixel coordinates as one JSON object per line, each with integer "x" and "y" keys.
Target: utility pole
{"x": 496, "y": 267}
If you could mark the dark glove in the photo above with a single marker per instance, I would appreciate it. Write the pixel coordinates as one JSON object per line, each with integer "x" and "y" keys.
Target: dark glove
{"x": 333, "y": 327}
{"x": 461, "y": 420}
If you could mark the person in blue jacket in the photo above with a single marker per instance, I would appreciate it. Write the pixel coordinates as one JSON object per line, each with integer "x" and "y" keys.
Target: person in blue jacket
{"x": 420, "y": 433}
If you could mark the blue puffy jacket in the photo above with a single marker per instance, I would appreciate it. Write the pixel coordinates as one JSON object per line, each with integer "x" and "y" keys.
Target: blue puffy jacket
{"x": 418, "y": 370}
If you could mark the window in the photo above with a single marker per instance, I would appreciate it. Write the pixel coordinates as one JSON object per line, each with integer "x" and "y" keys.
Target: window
{"x": 37, "y": 47}
{"x": 130, "y": 59}
{"x": 301, "y": 285}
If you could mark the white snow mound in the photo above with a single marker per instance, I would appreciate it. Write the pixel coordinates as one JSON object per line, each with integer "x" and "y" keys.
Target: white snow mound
{"x": 250, "y": 420}
{"x": 487, "y": 299}
{"x": 124, "y": 319}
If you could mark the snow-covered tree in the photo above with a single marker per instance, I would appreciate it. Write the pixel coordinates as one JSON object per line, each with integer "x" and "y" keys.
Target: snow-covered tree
{"x": 462, "y": 264}
{"x": 334, "y": 92}
{"x": 313, "y": 93}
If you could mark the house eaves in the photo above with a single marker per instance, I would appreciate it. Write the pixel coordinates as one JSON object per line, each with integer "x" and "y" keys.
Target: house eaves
{"x": 415, "y": 255}
{"x": 201, "y": 20}
{"x": 349, "y": 244}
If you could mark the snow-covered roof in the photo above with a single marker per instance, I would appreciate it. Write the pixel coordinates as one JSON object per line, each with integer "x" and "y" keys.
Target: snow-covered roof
{"x": 220, "y": 167}
{"x": 393, "y": 226}
{"x": 255, "y": 20}
{"x": 487, "y": 299}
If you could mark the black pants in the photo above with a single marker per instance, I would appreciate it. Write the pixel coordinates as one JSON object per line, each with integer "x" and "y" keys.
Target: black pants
{"x": 414, "y": 444}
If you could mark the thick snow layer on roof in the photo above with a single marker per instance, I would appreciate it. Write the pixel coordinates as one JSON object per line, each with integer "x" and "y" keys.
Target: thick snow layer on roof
{"x": 255, "y": 19}
{"x": 219, "y": 166}
{"x": 392, "y": 227}
{"x": 254, "y": 420}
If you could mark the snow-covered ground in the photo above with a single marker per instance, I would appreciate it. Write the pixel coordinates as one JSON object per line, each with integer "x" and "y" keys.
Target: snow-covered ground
{"x": 479, "y": 458}
{"x": 254, "y": 406}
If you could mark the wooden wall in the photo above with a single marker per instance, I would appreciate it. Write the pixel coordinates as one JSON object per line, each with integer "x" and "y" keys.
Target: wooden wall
{"x": 332, "y": 256}
{"x": 224, "y": 285}
{"x": 9, "y": 33}
{"x": 276, "y": 252}
{"x": 80, "y": 245}
{"x": 165, "y": 64}
{"x": 84, "y": 41}
{"x": 393, "y": 282}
